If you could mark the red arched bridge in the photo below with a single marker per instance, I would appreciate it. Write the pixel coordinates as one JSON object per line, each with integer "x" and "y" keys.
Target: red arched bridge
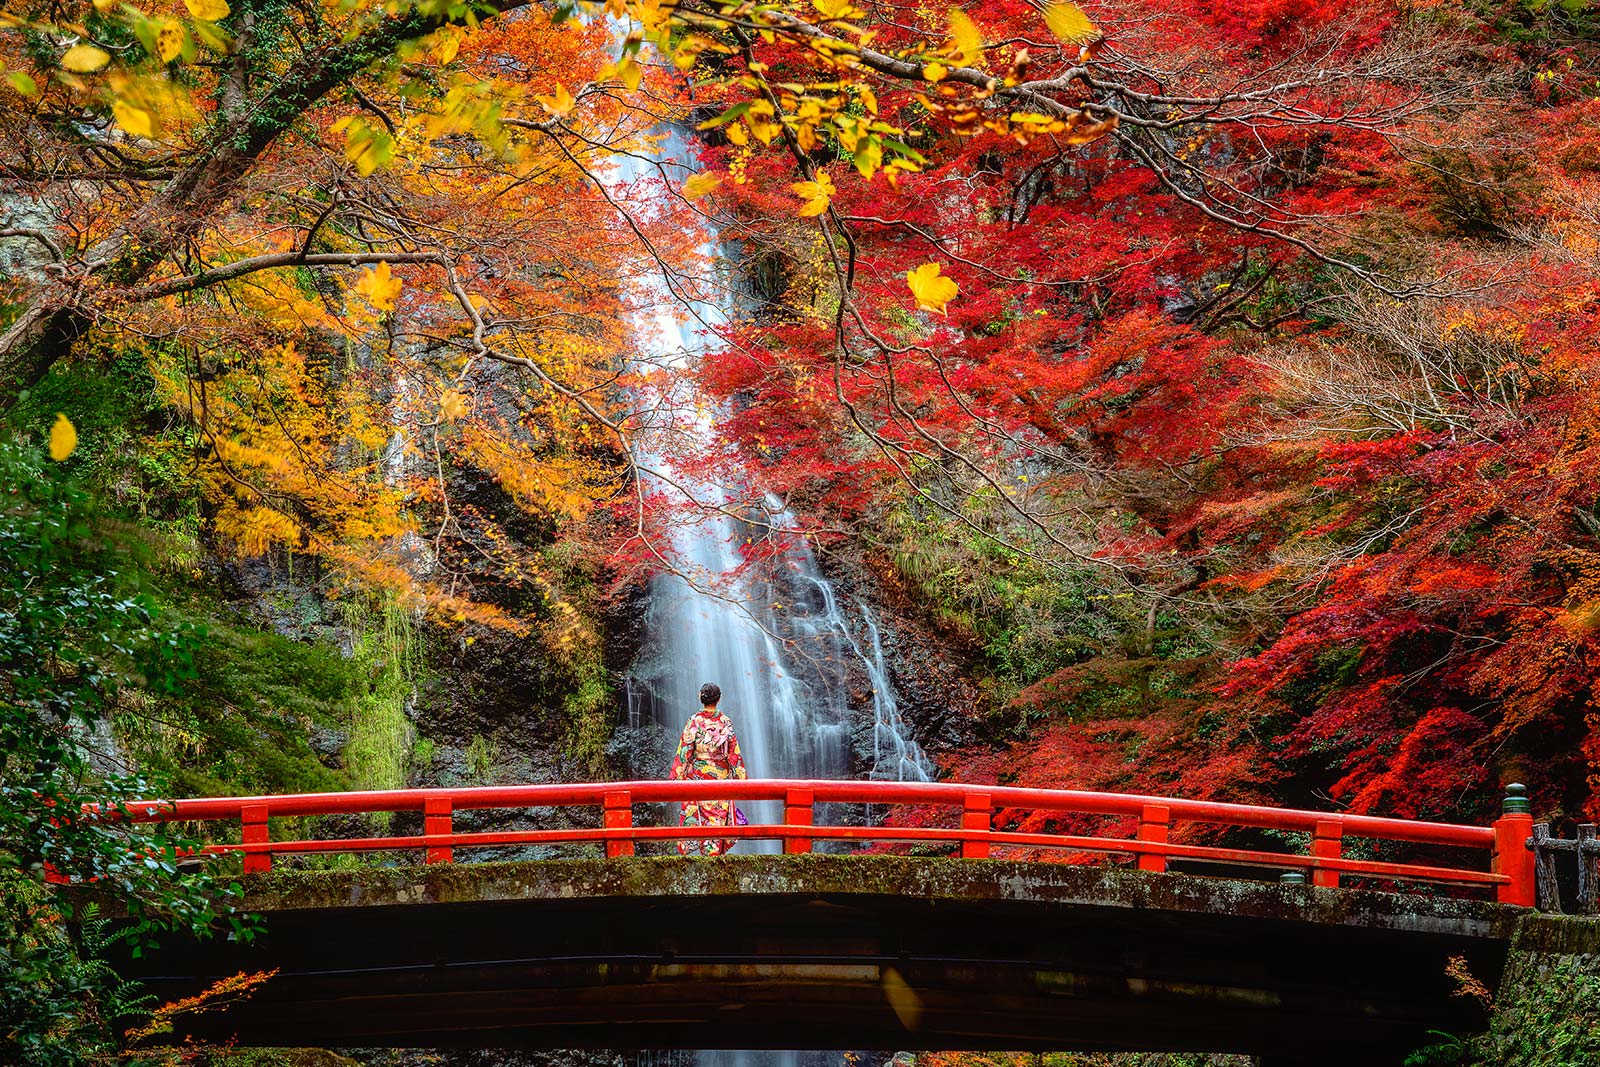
{"x": 822, "y": 947}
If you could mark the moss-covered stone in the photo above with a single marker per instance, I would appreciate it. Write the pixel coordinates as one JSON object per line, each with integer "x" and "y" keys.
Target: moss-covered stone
{"x": 921, "y": 878}
{"x": 1547, "y": 1013}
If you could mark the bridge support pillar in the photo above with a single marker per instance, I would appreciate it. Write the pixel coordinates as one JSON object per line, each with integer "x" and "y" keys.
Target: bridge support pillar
{"x": 1327, "y": 843}
{"x": 797, "y": 811}
{"x": 976, "y": 813}
{"x": 437, "y": 820}
{"x": 618, "y": 814}
{"x": 1155, "y": 820}
{"x": 255, "y": 832}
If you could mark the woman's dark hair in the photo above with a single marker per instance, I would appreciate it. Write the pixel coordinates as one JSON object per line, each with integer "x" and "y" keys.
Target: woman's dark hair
{"x": 710, "y": 693}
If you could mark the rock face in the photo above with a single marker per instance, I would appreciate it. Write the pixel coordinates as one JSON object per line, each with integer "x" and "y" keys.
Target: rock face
{"x": 929, "y": 666}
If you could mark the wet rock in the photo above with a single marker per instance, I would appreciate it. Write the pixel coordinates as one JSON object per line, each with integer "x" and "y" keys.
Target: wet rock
{"x": 929, "y": 667}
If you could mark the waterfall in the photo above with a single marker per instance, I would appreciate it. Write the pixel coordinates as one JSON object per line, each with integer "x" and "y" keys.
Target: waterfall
{"x": 774, "y": 635}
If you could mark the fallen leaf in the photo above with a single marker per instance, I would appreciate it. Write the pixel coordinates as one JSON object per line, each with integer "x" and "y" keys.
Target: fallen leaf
{"x": 966, "y": 37}
{"x": 559, "y": 103}
{"x": 170, "y": 39}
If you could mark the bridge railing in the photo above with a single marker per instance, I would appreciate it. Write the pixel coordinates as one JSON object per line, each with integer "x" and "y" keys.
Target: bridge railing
{"x": 1505, "y": 863}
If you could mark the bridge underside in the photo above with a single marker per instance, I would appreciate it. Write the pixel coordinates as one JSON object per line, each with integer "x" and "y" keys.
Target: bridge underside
{"x": 841, "y": 952}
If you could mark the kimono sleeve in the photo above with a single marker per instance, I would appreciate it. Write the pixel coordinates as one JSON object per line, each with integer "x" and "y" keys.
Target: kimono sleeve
{"x": 735, "y": 757}
{"x": 684, "y": 757}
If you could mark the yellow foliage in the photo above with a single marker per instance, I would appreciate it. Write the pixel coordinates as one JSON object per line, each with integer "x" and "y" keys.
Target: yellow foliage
{"x": 816, "y": 195}
{"x": 63, "y": 438}
{"x": 257, "y": 530}
{"x": 210, "y": 10}
{"x": 965, "y": 38}
{"x": 136, "y": 120}
{"x": 700, "y": 184}
{"x": 932, "y": 291}
{"x": 1068, "y": 22}
{"x": 559, "y": 103}
{"x": 84, "y": 58}
{"x": 379, "y": 287}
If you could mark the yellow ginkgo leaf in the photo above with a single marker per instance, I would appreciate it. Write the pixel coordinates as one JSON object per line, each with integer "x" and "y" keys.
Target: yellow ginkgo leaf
{"x": 63, "y": 438}
{"x": 935, "y": 72}
{"x": 816, "y": 194}
{"x": 210, "y": 10}
{"x": 453, "y": 405}
{"x": 966, "y": 37}
{"x": 379, "y": 286}
{"x": 85, "y": 58}
{"x": 834, "y": 9}
{"x": 932, "y": 291}
{"x": 136, "y": 120}
{"x": 1068, "y": 22}
{"x": 559, "y": 103}
{"x": 700, "y": 184}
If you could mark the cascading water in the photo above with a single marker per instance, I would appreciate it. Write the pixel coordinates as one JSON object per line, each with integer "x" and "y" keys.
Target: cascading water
{"x": 774, "y": 637}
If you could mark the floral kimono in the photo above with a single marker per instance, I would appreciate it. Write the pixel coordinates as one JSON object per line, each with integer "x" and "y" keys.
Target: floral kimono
{"x": 707, "y": 749}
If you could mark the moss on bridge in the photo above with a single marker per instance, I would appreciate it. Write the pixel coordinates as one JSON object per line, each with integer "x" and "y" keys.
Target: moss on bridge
{"x": 827, "y": 875}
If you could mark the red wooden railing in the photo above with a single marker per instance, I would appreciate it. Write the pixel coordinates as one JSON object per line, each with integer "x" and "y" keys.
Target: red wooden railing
{"x": 1509, "y": 867}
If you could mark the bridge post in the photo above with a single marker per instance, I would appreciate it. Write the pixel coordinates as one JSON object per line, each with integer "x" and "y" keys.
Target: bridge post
{"x": 976, "y": 813}
{"x": 436, "y": 821}
{"x": 1512, "y": 857}
{"x": 1154, "y": 823}
{"x": 797, "y": 812}
{"x": 618, "y": 814}
{"x": 1327, "y": 843}
{"x": 253, "y": 818}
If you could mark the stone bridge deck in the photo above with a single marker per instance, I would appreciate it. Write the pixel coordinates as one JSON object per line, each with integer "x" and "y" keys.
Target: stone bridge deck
{"x": 819, "y": 951}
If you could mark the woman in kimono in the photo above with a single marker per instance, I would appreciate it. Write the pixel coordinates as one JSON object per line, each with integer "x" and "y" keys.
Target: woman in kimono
{"x": 708, "y": 749}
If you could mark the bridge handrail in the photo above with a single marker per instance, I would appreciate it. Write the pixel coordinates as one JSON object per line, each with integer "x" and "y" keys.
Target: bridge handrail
{"x": 1511, "y": 872}
{"x": 825, "y": 792}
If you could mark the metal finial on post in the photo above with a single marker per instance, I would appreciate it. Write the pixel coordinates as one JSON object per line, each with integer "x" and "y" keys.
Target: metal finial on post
{"x": 1516, "y": 800}
{"x": 1292, "y": 878}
